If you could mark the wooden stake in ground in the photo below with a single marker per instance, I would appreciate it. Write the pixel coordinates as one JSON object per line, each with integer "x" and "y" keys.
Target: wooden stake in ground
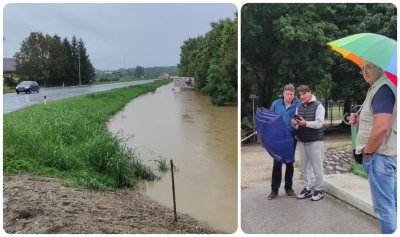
{"x": 173, "y": 188}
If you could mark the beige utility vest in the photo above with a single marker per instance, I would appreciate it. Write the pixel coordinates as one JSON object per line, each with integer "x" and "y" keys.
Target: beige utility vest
{"x": 366, "y": 121}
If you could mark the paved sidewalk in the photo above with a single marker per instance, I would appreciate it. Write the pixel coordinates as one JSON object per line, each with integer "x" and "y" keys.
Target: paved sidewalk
{"x": 330, "y": 215}
{"x": 350, "y": 188}
{"x": 345, "y": 209}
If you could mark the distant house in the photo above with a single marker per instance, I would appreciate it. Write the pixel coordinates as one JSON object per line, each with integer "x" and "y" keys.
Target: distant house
{"x": 164, "y": 75}
{"x": 9, "y": 66}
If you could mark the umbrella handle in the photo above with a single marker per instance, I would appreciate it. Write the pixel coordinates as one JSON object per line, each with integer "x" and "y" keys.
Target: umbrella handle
{"x": 346, "y": 119}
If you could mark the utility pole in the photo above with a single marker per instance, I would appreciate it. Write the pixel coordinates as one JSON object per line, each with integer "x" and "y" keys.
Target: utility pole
{"x": 4, "y": 42}
{"x": 124, "y": 62}
{"x": 79, "y": 66}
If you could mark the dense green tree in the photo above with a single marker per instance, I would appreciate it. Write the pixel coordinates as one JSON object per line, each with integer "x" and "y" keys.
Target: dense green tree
{"x": 86, "y": 68}
{"x": 57, "y": 62}
{"x": 229, "y": 60}
{"x": 52, "y": 62}
{"x": 212, "y": 60}
{"x": 286, "y": 43}
{"x": 189, "y": 57}
{"x": 68, "y": 80}
{"x": 139, "y": 72}
{"x": 217, "y": 88}
{"x": 32, "y": 57}
{"x": 74, "y": 61}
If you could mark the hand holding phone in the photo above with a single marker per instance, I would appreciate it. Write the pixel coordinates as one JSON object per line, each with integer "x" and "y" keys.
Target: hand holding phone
{"x": 297, "y": 118}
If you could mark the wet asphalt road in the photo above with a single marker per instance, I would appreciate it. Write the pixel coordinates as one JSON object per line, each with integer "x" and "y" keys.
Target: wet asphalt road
{"x": 286, "y": 215}
{"x": 14, "y": 101}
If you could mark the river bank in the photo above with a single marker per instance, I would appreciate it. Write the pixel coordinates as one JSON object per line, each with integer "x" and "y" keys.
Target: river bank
{"x": 73, "y": 145}
{"x": 39, "y": 205}
{"x": 183, "y": 126}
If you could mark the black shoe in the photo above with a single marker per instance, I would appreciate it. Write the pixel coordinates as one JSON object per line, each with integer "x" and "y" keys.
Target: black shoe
{"x": 273, "y": 194}
{"x": 318, "y": 195}
{"x": 304, "y": 194}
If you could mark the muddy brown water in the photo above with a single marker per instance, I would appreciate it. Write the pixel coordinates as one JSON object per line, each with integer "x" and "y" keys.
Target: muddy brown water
{"x": 202, "y": 141}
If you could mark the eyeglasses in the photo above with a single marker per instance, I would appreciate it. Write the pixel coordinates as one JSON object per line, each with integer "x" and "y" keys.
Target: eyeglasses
{"x": 369, "y": 67}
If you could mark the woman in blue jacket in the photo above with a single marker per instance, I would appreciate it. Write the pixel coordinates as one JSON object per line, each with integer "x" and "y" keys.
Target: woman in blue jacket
{"x": 286, "y": 107}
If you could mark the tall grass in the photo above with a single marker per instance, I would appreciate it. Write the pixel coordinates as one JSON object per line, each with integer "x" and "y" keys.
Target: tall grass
{"x": 162, "y": 164}
{"x": 69, "y": 139}
{"x": 8, "y": 89}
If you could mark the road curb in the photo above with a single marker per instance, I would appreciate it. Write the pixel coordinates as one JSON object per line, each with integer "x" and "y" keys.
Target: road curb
{"x": 351, "y": 189}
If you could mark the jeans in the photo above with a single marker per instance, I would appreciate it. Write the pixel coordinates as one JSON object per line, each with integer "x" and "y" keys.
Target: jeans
{"x": 277, "y": 173}
{"x": 382, "y": 178}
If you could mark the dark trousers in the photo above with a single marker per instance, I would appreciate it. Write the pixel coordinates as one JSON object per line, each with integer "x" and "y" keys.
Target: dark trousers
{"x": 277, "y": 174}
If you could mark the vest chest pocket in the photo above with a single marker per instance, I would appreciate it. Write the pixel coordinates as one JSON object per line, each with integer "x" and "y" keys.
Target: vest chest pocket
{"x": 367, "y": 118}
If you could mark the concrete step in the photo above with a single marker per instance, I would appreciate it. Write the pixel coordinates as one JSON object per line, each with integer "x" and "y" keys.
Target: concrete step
{"x": 350, "y": 188}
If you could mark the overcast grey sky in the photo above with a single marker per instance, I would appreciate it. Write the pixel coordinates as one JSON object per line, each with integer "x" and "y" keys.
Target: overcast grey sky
{"x": 144, "y": 34}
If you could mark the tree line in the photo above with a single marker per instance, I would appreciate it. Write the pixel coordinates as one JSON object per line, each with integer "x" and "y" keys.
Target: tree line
{"x": 286, "y": 43}
{"x": 212, "y": 60}
{"x": 155, "y": 72}
{"x": 53, "y": 62}
{"x": 139, "y": 72}
{"x": 151, "y": 72}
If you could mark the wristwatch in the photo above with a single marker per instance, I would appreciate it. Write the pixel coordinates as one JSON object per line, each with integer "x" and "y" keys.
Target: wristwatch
{"x": 365, "y": 153}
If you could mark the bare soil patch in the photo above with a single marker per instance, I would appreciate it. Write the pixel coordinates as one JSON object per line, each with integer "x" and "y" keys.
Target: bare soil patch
{"x": 35, "y": 205}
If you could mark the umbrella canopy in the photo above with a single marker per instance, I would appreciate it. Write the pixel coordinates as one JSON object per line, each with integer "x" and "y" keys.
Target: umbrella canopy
{"x": 274, "y": 135}
{"x": 377, "y": 49}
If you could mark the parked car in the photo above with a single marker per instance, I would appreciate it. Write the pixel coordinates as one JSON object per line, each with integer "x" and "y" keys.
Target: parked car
{"x": 27, "y": 87}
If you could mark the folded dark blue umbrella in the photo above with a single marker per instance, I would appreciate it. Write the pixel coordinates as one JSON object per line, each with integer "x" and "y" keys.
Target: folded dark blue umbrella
{"x": 274, "y": 135}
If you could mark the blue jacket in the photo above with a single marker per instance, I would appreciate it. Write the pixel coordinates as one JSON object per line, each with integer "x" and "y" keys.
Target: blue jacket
{"x": 278, "y": 106}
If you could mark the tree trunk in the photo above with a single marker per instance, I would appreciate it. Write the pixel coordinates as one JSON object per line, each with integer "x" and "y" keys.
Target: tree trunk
{"x": 267, "y": 89}
{"x": 326, "y": 108}
{"x": 347, "y": 106}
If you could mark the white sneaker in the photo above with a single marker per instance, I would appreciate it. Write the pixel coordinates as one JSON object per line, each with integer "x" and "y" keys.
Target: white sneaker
{"x": 318, "y": 195}
{"x": 304, "y": 194}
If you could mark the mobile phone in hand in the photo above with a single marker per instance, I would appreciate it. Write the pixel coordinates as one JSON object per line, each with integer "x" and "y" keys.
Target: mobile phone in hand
{"x": 296, "y": 117}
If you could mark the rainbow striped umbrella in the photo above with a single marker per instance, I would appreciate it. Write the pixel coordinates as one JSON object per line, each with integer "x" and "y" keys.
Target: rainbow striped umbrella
{"x": 377, "y": 49}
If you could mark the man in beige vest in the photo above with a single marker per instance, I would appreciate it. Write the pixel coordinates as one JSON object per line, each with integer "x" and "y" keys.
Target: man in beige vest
{"x": 376, "y": 141}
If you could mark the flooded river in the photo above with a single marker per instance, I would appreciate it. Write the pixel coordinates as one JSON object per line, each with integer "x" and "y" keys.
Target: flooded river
{"x": 202, "y": 141}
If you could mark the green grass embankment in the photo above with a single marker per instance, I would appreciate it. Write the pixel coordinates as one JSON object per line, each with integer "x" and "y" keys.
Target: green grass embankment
{"x": 7, "y": 89}
{"x": 68, "y": 139}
